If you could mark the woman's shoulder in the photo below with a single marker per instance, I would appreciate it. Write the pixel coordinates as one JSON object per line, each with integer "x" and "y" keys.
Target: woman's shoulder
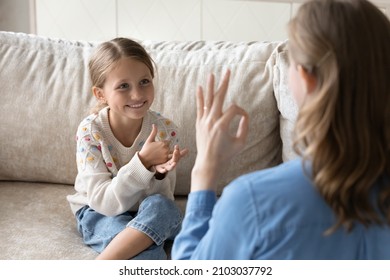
{"x": 282, "y": 193}
{"x": 286, "y": 184}
{"x": 283, "y": 174}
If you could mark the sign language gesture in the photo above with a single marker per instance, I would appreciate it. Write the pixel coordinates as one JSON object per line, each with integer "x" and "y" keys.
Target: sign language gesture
{"x": 158, "y": 154}
{"x": 174, "y": 159}
{"x": 152, "y": 152}
{"x": 214, "y": 141}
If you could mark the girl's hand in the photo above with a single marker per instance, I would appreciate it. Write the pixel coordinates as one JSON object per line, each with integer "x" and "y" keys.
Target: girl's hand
{"x": 171, "y": 164}
{"x": 154, "y": 153}
{"x": 216, "y": 146}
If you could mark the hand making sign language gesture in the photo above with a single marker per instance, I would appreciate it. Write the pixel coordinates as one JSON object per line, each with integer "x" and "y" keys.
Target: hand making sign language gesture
{"x": 214, "y": 141}
{"x": 157, "y": 153}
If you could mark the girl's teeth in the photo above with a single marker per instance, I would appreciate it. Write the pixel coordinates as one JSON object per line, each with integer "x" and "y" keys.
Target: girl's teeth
{"x": 136, "y": 106}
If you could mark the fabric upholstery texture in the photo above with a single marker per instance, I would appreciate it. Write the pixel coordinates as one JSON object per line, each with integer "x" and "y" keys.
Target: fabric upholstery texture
{"x": 46, "y": 92}
{"x": 285, "y": 102}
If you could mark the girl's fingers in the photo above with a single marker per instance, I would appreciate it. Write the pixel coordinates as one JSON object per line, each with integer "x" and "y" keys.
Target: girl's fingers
{"x": 176, "y": 154}
{"x": 183, "y": 152}
{"x": 171, "y": 166}
{"x": 152, "y": 134}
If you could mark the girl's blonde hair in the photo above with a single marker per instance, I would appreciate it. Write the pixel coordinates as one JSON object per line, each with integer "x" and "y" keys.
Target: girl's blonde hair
{"x": 343, "y": 128}
{"x": 107, "y": 54}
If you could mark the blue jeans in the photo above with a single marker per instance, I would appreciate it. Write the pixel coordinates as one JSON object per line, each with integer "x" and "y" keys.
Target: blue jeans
{"x": 158, "y": 217}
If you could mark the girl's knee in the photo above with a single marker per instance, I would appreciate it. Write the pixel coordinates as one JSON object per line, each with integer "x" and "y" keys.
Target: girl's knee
{"x": 161, "y": 203}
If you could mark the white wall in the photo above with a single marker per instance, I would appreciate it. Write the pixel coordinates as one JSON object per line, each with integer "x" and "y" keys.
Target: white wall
{"x": 153, "y": 19}
{"x": 15, "y": 16}
{"x": 182, "y": 20}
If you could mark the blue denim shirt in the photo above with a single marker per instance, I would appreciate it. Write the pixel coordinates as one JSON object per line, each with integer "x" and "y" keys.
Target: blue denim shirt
{"x": 272, "y": 214}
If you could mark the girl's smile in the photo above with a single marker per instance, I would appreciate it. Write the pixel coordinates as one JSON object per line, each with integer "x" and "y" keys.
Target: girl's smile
{"x": 137, "y": 106}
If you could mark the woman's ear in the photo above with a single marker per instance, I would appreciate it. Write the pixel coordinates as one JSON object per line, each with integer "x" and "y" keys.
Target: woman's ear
{"x": 98, "y": 93}
{"x": 309, "y": 79}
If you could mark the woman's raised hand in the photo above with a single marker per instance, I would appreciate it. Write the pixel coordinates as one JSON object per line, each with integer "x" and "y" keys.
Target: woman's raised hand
{"x": 214, "y": 141}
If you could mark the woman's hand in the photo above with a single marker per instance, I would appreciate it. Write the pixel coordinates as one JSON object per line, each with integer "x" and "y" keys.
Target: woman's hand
{"x": 215, "y": 144}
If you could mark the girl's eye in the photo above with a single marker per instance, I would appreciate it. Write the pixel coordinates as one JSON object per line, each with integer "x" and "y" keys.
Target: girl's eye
{"x": 124, "y": 86}
{"x": 144, "y": 82}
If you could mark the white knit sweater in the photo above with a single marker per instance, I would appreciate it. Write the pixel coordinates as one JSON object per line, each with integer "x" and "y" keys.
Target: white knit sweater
{"x": 111, "y": 178}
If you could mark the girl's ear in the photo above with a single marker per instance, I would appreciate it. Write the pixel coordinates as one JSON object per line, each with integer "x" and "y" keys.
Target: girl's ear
{"x": 98, "y": 93}
{"x": 309, "y": 79}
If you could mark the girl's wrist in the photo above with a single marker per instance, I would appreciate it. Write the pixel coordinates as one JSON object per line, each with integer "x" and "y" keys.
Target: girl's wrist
{"x": 144, "y": 161}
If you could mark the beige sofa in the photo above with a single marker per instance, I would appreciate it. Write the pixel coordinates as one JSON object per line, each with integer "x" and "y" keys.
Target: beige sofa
{"x": 45, "y": 93}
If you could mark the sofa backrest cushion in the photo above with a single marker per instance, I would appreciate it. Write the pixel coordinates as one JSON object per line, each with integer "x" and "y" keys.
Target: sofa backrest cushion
{"x": 45, "y": 92}
{"x": 286, "y": 104}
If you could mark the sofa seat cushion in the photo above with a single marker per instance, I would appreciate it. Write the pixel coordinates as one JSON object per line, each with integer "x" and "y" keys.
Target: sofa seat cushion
{"x": 36, "y": 223}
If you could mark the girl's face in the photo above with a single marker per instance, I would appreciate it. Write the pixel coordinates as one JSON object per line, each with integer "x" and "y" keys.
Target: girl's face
{"x": 128, "y": 90}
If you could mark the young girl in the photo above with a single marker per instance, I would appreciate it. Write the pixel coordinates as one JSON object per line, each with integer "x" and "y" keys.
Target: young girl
{"x": 334, "y": 201}
{"x": 125, "y": 182}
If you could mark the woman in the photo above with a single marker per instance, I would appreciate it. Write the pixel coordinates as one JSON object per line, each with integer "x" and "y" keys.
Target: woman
{"x": 333, "y": 202}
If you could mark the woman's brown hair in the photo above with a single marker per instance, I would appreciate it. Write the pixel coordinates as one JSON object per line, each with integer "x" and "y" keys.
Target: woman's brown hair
{"x": 343, "y": 127}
